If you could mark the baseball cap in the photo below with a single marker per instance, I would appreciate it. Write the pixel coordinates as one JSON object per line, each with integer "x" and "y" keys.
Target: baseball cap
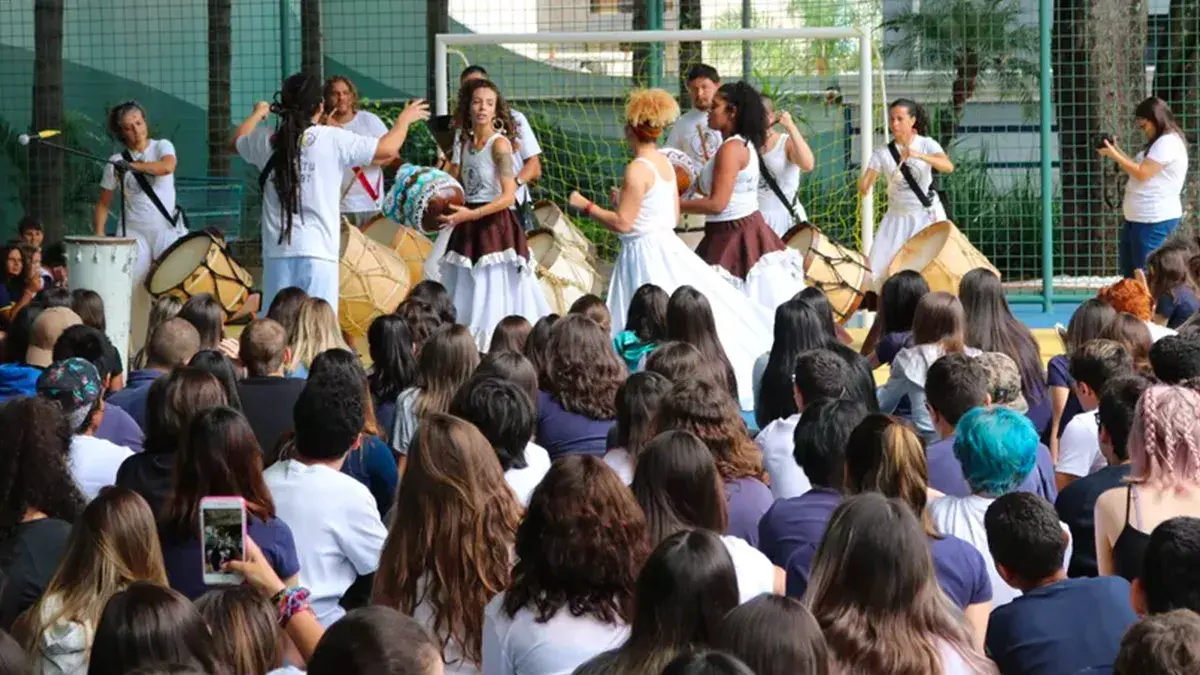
{"x": 46, "y": 328}
{"x": 1004, "y": 381}
{"x": 75, "y": 384}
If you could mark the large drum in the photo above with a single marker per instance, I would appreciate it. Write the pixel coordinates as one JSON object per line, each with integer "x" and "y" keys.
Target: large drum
{"x": 373, "y": 281}
{"x": 841, "y": 272}
{"x": 200, "y": 263}
{"x": 942, "y": 254}
{"x": 105, "y": 265}
{"x": 406, "y": 242}
{"x": 420, "y": 195}
{"x": 550, "y": 217}
{"x": 564, "y": 272}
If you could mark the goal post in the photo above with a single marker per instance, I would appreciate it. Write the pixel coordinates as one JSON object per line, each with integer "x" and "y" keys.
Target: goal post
{"x": 530, "y": 43}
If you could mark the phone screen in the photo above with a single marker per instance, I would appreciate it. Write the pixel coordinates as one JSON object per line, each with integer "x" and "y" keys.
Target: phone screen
{"x": 224, "y": 532}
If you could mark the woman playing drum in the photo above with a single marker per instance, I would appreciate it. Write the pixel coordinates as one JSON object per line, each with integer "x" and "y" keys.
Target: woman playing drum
{"x": 737, "y": 241}
{"x": 784, "y": 157}
{"x": 302, "y": 166}
{"x": 907, "y": 211}
{"x": 647, "y": 210}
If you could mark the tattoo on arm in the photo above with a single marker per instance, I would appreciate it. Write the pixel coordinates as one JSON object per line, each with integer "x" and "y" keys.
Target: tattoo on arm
{"x": 504, "y": 164}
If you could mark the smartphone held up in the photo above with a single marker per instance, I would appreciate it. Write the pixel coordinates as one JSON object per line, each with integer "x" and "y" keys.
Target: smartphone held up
{"x": 223, "y": 533}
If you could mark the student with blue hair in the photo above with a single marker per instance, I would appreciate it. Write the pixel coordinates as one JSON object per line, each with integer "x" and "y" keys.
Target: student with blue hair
{"x": 997, "y": 448}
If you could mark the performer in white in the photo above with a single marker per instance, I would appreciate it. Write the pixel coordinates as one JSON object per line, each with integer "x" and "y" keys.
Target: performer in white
{"x": 150, "y": 162}
{"x": 362, "y": 186}
{"x": 487, "y": 268}
{"x": 692, "y": 133}
{"x": 650, "y": 252}
{"x": 908, "y": 212}
{"x": 302, "y": 164}
{"x": 784, "y": 157}
{"x": 737, "y": 242}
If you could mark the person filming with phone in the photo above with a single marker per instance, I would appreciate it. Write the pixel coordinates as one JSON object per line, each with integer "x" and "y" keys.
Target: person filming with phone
{"x": 1152, "y": 206}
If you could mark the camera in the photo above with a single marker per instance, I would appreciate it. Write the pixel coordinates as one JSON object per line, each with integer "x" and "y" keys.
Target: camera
{"x": 1105, "y": 137}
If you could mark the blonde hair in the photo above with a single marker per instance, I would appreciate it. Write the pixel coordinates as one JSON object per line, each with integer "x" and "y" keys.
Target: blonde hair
{"x": 1163, "y": 447}
{"x": 316, "y": 331}
{"x": 650, "y": 111}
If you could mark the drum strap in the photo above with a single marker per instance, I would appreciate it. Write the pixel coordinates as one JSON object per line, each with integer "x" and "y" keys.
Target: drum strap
{"x": 147, "y": 188}
{"x": 362, "y": 180}
{"x": 775, "y": 189}
{"x": 925, "y": 197}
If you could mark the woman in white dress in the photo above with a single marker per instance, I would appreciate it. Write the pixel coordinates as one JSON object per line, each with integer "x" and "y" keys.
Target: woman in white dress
{"x": 907, "y": 212}
{"x": 784, "y": 157}
{"x": 487, "y": 268}
{"x": 651, "y": 253}
{"x": 737, "y": 241}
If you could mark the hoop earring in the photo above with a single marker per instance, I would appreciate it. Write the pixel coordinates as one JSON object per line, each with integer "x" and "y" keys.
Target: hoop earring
{"x": 497, "y": 125}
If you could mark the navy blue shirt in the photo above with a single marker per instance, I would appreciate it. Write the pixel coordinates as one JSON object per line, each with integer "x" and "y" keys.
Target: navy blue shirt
{"x": 185, "y": 565}
{"x": 133, "y": 397}
{"x": 373, "y": 464}
{"x": 566, "y": 433}
{"x": 790, "y": 531}
{"x": 1058, "y": 374}
{"x": 890, "y": 345}
{"x": 1177, "y": 306}
{"x": 117, "y": 426}
{"x": 1064, "y": 627}
{"x": 1076, "y": 507}
{"x": 946, "y": 475}
{"x": 961, "y": 571}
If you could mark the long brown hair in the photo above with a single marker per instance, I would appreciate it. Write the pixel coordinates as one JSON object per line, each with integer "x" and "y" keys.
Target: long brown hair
{"x": 462, "y": 111}
{"x": 446, "y": 361}
{"x": 113, "y": 544}
{"x": 1167, "y": 268}
{"x": 708, "y": 411}
{"x": 939, "y": 319}
{"x": 1156, "y": 111}
{"x": 1134, "y": 334}
{"x": 584, "y": 371}
{"x": 245, "y": 629}
{"x": 450, "y": 544}
{"x": 887, "y": 456}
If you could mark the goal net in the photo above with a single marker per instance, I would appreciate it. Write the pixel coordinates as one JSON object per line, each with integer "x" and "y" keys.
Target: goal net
{"x": 572, "y": 88}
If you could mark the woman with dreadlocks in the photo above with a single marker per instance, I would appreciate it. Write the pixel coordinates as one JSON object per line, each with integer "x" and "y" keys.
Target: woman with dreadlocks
{"x": 302, "y": 165}
{"x": 487, "y": 268}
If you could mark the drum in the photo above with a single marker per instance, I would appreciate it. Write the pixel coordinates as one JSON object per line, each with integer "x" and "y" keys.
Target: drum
{"x": 687, "y": 170}
{"x": 841, "y": 272}
{"x": 942, "y": 254}
{"x": 565, "y": 274}
{"x": 199, "y": 263}
{"x": 550, "y": 217}
{"x": 420, "y": 195}
{"x": 372, "y": 281}
{"x": 406, "y": 242}
{"x": 105, "y": 265}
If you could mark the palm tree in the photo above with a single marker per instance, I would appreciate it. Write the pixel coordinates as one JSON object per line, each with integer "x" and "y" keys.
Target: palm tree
{"x": 1176, "y": 81}
{"x": 220, "y": 37}
{"x": 311, "y": 57}
{"x": 46, "y": 164}
{"x": 975, "y": 40}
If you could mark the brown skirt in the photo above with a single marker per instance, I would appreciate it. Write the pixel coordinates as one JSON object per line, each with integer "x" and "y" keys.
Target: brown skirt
{"x": 736, "y": 245}
{"x": 492, "y": 234}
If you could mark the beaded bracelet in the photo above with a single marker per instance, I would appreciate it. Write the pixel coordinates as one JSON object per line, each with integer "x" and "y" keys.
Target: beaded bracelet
{"x": 289, "y": 602}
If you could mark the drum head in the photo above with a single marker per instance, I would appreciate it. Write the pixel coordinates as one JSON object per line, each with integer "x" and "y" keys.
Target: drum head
{"x": 922, "y": 249}
{"x": 178, "y": 262}
{"x": 544, "y": 246}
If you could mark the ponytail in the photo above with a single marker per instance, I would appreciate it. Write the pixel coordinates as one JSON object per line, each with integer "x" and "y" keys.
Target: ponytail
{"x": 299, "y": 99}
{"x": 921, "y": 126}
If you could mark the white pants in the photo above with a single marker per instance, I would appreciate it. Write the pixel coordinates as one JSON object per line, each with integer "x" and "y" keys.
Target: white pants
{"x": 316, "y": 276}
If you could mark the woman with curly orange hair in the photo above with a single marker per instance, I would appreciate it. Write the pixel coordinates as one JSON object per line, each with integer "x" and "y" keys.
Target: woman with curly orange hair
{"x": 579, "y": 551}
{"x": 708, "y": 411}
{"x": 1133, "y": 296}
{"x": 647, "y": 211}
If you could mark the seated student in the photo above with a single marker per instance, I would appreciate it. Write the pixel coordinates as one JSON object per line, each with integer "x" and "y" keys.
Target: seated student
{"x": 75, "y": 385}
{"x": 791, "y": 529}
{"x": 504, "y": 415}
{"x": 1004, "y": 390}
{"x": 172, "y": 344}
{"x": 956, "y": 384}
{"x": 93, "y": 346}
{"x": 638, "y": 400}
{"x": 1171, "y": 284}
{"x": 54, "y": 261}
{"x": 1132, "y": 296}
{"x": 267, "y": 393}
{"x": 1170, "y": 574}
{"x": 645, "y": 326}
{"x": 1058, "y": 625}
{"x": 1092, "y": 367}
{"x": 334, "y": 519}
{"x": 1090, "y": 320}
{"x": 19, "y": 378}
{"x": 1166, "y": 644}
{"x": 819, "y": 375}
{"x": 898, "y": 303}
{"x": 1176, "y": 360}
{"x": 577, "y": 404}
{"x": 1076, "y": 504}
{"x": 376, "y": 640}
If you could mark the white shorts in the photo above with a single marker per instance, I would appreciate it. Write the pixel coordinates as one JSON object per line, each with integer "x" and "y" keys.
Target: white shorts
{"x": 315, "y": 276}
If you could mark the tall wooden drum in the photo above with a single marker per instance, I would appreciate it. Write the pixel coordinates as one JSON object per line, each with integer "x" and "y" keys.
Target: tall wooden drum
{"x": 373, "y": 281}
{"x": 942, "y": 254}
{"x": 841, "y": 272}
{"x": 105, "y": 265}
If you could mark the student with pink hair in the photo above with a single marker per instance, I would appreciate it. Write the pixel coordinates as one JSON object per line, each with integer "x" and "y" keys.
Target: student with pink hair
{"x": 1164, "y": 482}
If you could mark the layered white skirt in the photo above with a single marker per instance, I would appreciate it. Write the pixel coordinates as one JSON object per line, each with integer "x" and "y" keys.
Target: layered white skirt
{"x": 897, "y": 227}
{"x": 745, "y": 327}
{"x": 497, "y": 285}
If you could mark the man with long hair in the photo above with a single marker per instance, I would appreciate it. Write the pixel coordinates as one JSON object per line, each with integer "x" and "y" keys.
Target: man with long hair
{"x": 362, "y": 186}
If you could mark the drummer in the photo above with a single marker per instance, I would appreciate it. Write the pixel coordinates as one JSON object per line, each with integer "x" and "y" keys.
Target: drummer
{"x": 301, "y": 168}
{"x": 362, "y": 186}
{"x": 784, "y": 157}
{"x": 691, "y": 132}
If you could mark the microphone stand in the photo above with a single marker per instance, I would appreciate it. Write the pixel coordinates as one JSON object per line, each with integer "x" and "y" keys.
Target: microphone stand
{"x": 95, "y": 158}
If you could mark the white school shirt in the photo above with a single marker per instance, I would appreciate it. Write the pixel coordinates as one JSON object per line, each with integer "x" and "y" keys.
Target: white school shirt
{"x": 755, "y": 572}
{"x": 357, "y": 200}
{"x": 691, "y": 134}
{"x": 526, "y": 146}
{"x": 335, "y": 522}
{"x": 1158, "y": 198}
{"x": 1079, "y": 446}
{"x": 94, "y": 463}
{"x": 520, "y": 645}
{"x": 141, "y": 215}
{"x": 901, "y": 198}
{"x": 778, "y": 450}
{"x": 327, "y": 153}
{"x": 523, "y": 481}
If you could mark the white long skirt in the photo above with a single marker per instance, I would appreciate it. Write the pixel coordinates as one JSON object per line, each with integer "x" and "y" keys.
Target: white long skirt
{"x": 897, "y": 228}
{"x": 778, "y": 218}
{"x": 745, "y": 327}
{"x": 497, "y": 285}
{"x": 776, "y": 278}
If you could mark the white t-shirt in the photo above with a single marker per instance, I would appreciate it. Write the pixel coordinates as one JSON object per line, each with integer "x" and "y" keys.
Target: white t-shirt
{"x": 620, "y": 461}
{"x": 94, "y": 463}
{"x": 1158, "y": 332}
{"x": 901, "y": 198}
{"x": 778, "y": 449}
{"x": 520, "y": 645}
{"x": 357, "y": 199}
{"x": 755, "y": 573}
{"x": 455, "y": 662}
{"x": 691, "y": 134}
{"x": 523, "y": 481}
{"x": 1158, "y": 198}
{"x": 328, "y": 152}
{"x": 335, "y": 522}
{"x": 1079, "y": 446}
{"x": 141, "y": 215}
{"x": 526, "y": 146}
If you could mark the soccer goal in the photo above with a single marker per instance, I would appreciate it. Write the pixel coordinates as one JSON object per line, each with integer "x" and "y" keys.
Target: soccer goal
{"x": 571, "y": 86}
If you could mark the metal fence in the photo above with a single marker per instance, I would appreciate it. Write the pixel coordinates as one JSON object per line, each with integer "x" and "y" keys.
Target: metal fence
{"x": 1019, "y": 91}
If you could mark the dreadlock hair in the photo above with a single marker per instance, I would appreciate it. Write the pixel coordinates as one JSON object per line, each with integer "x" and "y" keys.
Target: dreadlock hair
{"x": 299, "y": 101}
